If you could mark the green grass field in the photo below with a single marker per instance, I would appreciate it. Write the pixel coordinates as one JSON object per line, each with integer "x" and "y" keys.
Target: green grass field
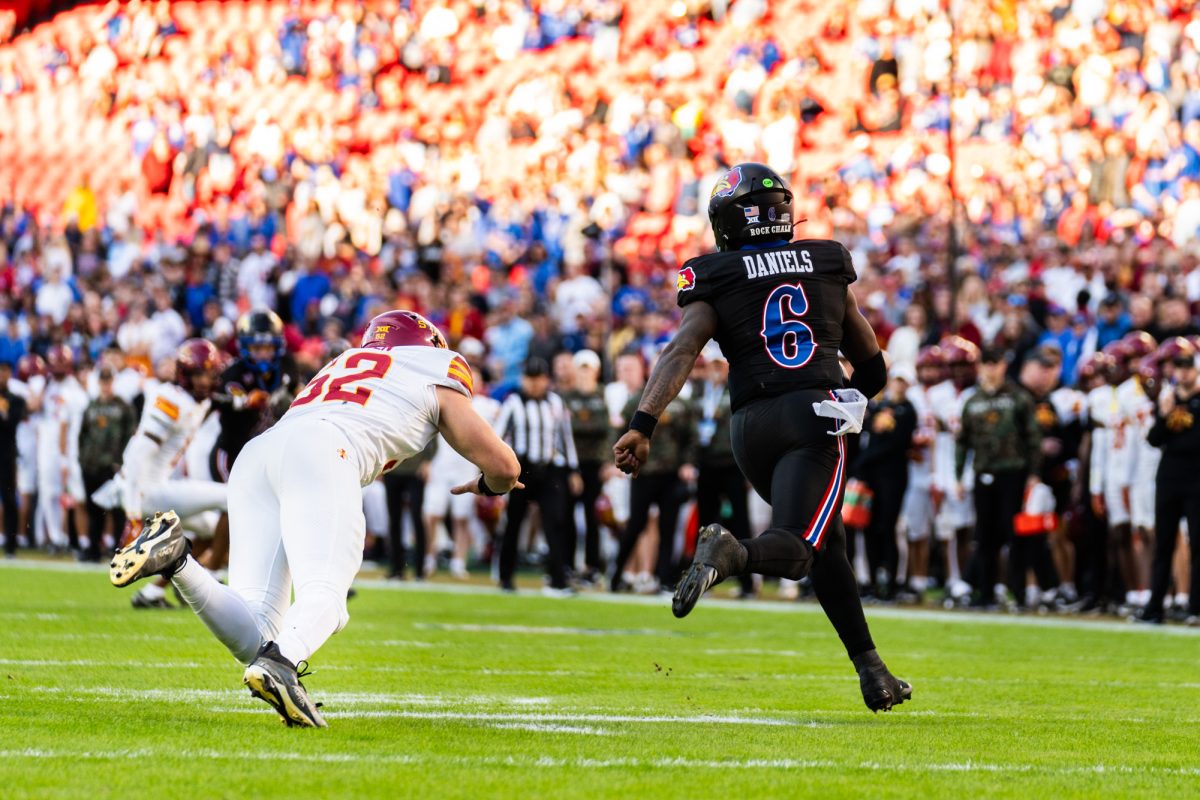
{"x": 437, "y": 693}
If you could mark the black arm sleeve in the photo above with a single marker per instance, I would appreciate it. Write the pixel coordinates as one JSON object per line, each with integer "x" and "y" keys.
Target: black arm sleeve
{"x": 869, "y": 376}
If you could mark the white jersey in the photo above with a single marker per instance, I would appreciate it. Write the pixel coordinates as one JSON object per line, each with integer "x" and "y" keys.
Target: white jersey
{"x": 169, "y": 420}
{"x": 447, "y": 462}
{"x": 383, "y": 401}
{"x": 63, "y": 403}
{"x": 920, "y": 462}
{"x": 1137, "y": 416}
{"x": 27, "y": 429}
{"x": 947, "y": 403}
{"x": 195, "y": 461}
{"x": 1069, "y": 404}
{"x": 1104, "y": 417}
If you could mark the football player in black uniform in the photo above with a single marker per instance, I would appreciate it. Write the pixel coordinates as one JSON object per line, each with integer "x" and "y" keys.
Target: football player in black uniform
{"x": 780, "y": 310}
{"x": 255, "y": 391}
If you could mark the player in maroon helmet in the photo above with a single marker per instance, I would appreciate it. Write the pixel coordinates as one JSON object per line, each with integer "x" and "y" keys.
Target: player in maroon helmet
{"x": 1138, "y": 344}
{"x": 295, "y": 501}
{"x": 931, "y": 366}
{"x": 1139, "y": 460}
{"x": 919, "y": 508}
{"x": 955, "y": 504}
{"x": 1109, "y": 464}
{"x": 402, "y": 329}
{"x": 30, "y": 383}
{"x": 173, "y": 413}
{"x": 29, "y": 365}
{"x": 60, "y": 481}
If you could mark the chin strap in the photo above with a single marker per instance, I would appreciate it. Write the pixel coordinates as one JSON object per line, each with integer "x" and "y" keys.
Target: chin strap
{"x": 849, "y": 406}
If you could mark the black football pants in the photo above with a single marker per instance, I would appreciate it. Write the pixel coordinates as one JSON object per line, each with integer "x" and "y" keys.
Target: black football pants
{"x": 647, "y": 489}
{"x": 888, "y": 482}
{"x": 998, "y": 498}
{"x": 1175, "y": 499}
{"x": 724, "y": 482}
{"x": 8, "y": 496}
{"x": 546, "y": 486}
{"x": 786, "y": 452}
{"x": 402, "y": 488}
{"x": 589, "y": 471}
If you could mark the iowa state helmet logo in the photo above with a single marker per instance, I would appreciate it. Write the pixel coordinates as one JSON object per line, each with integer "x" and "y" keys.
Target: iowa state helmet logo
{"x": 728, "y": 184}
{"x": 686, "y": 280}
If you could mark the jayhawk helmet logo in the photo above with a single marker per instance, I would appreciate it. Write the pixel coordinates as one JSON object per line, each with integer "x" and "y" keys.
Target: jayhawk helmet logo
{"x": 728, "y": 184}
{"x": 686, "y": 280}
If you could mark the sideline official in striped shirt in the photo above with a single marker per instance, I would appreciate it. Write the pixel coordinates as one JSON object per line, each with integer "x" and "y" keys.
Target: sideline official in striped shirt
{"x": 536, "y": 424}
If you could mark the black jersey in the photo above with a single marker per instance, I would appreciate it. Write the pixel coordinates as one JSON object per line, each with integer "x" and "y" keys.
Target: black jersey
{"x": 239, "y": 425}
{"x": 779, "y": 314}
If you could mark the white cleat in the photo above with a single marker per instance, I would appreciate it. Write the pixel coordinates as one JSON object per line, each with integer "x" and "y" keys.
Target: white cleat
{"x": 158, "y": 550}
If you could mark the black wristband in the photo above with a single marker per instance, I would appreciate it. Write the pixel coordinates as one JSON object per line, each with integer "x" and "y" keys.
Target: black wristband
{"x": 486, "y": 490}
{"x": 643, "y": 423}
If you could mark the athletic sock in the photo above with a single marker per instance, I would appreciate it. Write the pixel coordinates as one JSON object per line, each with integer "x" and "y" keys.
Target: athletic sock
{"x": 778, "y": 553}
{"x": 952, "y": 560}
{"x": 221, "y": 609}
{"x": 837, "y": 591}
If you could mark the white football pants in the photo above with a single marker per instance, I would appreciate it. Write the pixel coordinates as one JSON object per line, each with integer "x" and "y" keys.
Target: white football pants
{"x": 295, "y": 518}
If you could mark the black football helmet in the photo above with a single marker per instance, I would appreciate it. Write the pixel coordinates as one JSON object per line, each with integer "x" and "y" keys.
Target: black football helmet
{"x": 750, "y": 204}
{"x": 261, "y": 326}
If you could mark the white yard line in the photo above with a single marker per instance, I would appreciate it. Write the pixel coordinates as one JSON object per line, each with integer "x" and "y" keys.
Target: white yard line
{"x": 677, "y": 675}
{"x": 539, "y": 727}
{"x": 541, "y": 630}
{"x": 499, "y": 716}
{"x": 753, "y": 606}
{"x": 549, "y": 762}
{"x": 350, "y": 699}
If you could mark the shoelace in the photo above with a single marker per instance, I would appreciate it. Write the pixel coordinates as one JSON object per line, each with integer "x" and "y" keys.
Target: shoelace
{"x": 302, "y": 671}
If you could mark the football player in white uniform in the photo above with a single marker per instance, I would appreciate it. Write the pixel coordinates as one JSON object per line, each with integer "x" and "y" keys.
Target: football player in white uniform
{"x": 447, "y": 469}
{"x": 174, "y": 412}
{"x": 956, "y": 507}
{"x": 60, "y": 480}
{"x": 295, "y": 501}
{"x": 1137, "y": 478}
{"x": 918, "y": 510}
{"x": 1110, "y": 451}
{"x": 29, "y": 385}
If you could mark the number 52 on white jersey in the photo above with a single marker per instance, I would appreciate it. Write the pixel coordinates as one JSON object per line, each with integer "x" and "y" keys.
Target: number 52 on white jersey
{"x": 384, "y": 401}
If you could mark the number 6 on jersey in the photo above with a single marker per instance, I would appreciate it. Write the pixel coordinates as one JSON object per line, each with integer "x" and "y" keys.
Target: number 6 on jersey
{"x": 789, "y": 341}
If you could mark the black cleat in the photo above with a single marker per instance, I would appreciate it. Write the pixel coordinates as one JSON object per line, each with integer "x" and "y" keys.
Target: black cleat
{"x": 160, "y": 549}
{"x": 718, "y": 555}
{"x": 881, "y": 690}
{"x": 273, "y": 678}
{"x": 140, "y": 600}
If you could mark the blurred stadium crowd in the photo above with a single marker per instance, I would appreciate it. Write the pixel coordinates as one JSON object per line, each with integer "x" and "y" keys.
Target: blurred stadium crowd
{"x": 531, "y": 174}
